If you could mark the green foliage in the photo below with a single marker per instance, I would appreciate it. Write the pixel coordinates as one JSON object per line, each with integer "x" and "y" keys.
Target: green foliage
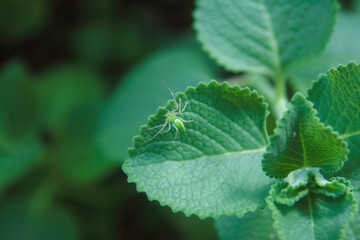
{"x": 301, "y": 141}
{"x": 264, "y": 36}
{"x": 336, "y": 96}
{"x": 321, "y": 213}
{"x": 206, "y": 170}
{"x": 62, "y": 142}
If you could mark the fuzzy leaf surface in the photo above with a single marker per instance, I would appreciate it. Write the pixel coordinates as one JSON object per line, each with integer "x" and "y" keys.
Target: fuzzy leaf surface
{"x": 264, "y": 36}
{"x": 353, "y": 229}
{"x": 336, "y": 97}
{"x": 301, "y": 141}
{"x": 252, "y": 226}
{"x": 214, "y": 167}
{"x": 314, "y": 216}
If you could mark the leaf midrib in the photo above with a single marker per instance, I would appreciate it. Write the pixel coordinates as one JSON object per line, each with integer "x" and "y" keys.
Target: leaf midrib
{"x": 244, "y": 152}
{"x": 273, "y": 41}
{"x": 303, "y": 146}
{"x": 311, "y": 216}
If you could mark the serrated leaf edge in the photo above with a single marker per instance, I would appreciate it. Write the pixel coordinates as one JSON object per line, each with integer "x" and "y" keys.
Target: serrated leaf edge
{"x": 137, "y": 140}
{"x": 277, "y": 133}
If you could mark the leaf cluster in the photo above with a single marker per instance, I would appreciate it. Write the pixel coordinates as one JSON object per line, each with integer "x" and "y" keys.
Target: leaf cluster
{"x": 309, "y": 165}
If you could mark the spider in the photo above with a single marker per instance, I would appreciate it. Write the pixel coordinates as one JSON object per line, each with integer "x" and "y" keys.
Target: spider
{"x": 172, "y": 119}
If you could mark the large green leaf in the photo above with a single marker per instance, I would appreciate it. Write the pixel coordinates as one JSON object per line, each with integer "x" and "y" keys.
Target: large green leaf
{"x": 301, "y": 141}
{"x": 264, "y": 36}
{"x": 339, "y": 50}
{"x": 315, "y": 216}
{"x": 336, "y": 97}
{"x": 252, "y": 226}
{"x": 142, "y": 90}
{"x": 213, "y": 168}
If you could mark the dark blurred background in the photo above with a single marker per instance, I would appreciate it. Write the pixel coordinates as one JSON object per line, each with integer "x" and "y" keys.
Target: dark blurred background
{"x": 60, "y": 61}
{"x": 77, "y": 79}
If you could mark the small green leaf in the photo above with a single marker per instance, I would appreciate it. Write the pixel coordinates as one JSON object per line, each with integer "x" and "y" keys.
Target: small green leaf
{"x": 314, "y": 216}
{"x": 213, "y": 168}
{"x": 264, "y": 36}
{"x": 142, "y": 90}
{"x": 252, "y": 226}
{"x": 336, "y": 97}
{"x": 301, "y": 141}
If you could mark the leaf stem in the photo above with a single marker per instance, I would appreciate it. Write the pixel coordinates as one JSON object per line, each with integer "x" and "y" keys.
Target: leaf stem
{"x": 281, "y": 96}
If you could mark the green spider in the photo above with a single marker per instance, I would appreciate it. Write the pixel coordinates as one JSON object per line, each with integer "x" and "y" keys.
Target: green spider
{"x": 172, "y": 119}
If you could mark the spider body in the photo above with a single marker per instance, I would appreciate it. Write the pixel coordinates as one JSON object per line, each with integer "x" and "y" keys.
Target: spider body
{"x": 172, "y": 119}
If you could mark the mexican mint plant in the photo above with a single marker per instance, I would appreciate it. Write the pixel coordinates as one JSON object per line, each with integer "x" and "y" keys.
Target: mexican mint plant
{"x": 300, "y": 183}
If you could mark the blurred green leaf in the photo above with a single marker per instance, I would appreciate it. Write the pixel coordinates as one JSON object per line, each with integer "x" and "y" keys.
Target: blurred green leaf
{"x": 16, "y": 163}
{"x": 80, "y": 162}
{"x": 70, "y": 99}
{"x": 101, "y": 41}
{"x": 19, "y": 145}
{"x": 22, "y": 18}
{"x": 66, "y": 90}
{"x": 213, "y": 168}
{"x": 17, "y": 223}
{"x": 18, "y": 111}
{"x": 142, "y": 91}
{"x": 267, "y": 37}
{"x": 342, "y": 49}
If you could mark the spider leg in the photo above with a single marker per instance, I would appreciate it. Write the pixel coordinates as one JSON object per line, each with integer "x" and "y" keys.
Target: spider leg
{"x": 172, "y": 94}
{"x": 186, "y": 103}
{"x": 179, "y": 105}
{"x": 167, "y": 129}
{"x": 177, "y": 130}
{"x": 161, "y": 125}
{"x": 184, "y": 120}
{"x": 164, "y": 125}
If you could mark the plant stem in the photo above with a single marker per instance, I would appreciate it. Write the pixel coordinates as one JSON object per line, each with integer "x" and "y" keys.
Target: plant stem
{"x": 281, "y": 96}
